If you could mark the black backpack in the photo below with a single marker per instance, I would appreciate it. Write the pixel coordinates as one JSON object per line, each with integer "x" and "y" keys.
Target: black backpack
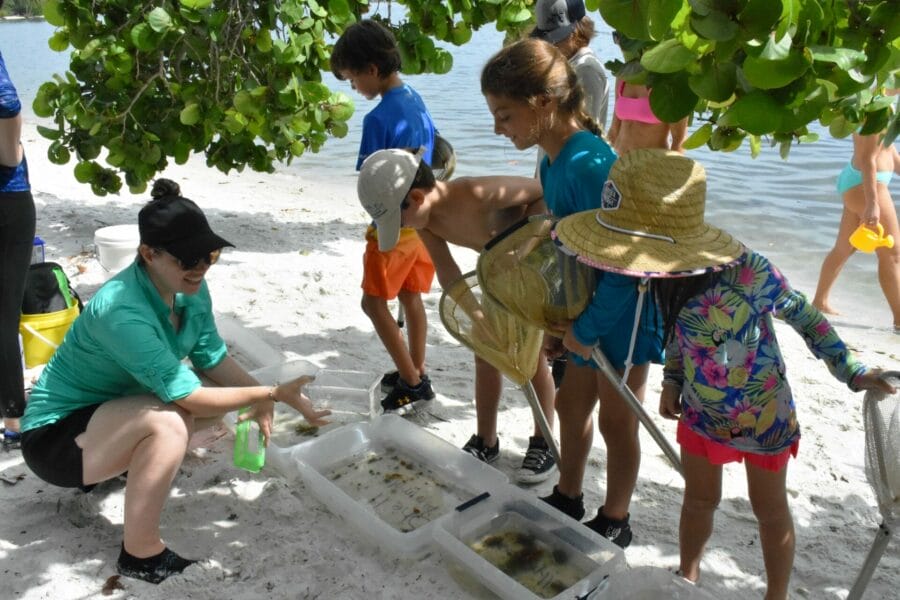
{"x": 47, "y": 290}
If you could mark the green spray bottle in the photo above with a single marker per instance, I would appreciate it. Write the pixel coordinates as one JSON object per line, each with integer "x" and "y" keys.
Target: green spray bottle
{"x": 249, "y": 445}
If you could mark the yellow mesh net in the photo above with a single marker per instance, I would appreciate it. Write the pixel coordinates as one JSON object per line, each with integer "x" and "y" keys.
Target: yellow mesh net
{"x": 492, "y": 333}
{"x": 530, "y": 276}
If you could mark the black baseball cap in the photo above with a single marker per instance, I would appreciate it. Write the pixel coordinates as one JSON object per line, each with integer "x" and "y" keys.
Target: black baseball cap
{"x": 556, "y": 19}
{"x": 178, "y": 226}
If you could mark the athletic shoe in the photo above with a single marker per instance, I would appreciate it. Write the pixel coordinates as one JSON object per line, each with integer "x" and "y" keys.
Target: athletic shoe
{"x": 402, "y": 398}
{"x": 475, "y": 447}
{"x": 153, "y": 569}
{"x": 538, "y": 464}
{"x": 389, "y": 381}
{"x": 12, "y": 440}
{"x": 618, "y": 531}
{"x": 574, "y": 507}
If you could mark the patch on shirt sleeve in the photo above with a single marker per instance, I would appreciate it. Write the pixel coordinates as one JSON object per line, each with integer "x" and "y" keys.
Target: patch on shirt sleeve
{"x": 611, "y": 197}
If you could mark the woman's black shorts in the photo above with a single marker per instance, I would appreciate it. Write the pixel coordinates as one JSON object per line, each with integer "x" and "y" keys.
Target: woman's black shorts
{"x": 51, "y": 453}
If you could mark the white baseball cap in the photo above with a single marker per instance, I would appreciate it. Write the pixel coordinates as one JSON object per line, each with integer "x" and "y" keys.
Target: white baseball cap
{"x": 385, "y": 179}
{"x": 556, "y": 19}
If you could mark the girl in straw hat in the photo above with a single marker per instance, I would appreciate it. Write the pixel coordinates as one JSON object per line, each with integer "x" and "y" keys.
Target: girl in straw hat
{"x": 533, "y": 94}
{"x": 724, "y": 374}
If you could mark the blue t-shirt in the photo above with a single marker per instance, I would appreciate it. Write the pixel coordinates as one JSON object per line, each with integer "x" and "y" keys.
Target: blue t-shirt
{"x": 400, "y": 120}
{"x": 123, "y": 344}
{"x": 573, "y": 183}
{"x": 12, "y": 179}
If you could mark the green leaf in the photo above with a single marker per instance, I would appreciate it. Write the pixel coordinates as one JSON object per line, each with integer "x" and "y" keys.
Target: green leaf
{"x": 715, "y": 26}
{"x": 715, "y": 81}
{"x": 50, "y": 134}
{"x": 244, "y": 103}
{"x": 159, "y": 20}
{"x": 196, "y": 4}
{"x": 143, "y": 37}
{"x": 699, "y": 137}
{"x": 630, "y": 17}
{"x": 759, "y": 17}
{"x": 777, "y": 50}
{"x": 669, "y": 56}
{"x": 84, "y": 171}
{"x": 773, "y": 74}
{"x": 660, "y": 14}
{"x": 59, "y": 41}
{"x": 264, "y": 42}
{"x": 844, "y": 58}
{"x": 190, "y": 114}
{"x": 757, "y": 112}
{"x": 671, "y": 98}
{"x": 53, "y": 14}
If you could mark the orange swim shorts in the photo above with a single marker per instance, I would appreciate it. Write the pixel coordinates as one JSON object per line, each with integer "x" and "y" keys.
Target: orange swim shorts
{"x": 406, "y": 267}
{"x": 720, "y": 454}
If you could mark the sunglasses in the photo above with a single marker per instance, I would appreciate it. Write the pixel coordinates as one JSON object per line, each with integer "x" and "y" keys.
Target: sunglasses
{"x": 191, "y": 263}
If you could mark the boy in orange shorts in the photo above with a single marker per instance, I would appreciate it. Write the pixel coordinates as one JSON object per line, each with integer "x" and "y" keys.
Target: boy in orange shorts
{"x": 395, "y": 263}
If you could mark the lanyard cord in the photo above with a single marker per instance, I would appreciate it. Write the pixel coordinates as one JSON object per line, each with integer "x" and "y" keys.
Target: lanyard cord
{"x": 643, "y": 286}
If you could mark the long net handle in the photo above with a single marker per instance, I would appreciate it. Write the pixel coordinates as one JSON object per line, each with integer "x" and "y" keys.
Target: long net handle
{"x": 635, "y": 405}
{"x": 541, "y": 418}
{"x": 882, "y": 537}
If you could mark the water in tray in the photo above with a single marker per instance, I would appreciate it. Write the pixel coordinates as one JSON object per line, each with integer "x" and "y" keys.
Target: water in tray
{"x": 537, "y": 561}
{"x": 403, "y": 493}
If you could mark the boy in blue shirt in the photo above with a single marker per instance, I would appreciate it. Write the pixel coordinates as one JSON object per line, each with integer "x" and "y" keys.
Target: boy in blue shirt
{"x": 396, "y": 263}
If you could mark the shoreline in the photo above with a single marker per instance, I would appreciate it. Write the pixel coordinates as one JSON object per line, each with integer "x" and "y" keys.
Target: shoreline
{"x": 293, "y": 283}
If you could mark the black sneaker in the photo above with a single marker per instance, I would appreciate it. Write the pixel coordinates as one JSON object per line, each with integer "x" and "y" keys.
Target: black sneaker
{"x": 12, "y": 440}
{"x": 389, "y": 381}
{"x": 538, "y": 464}
{"x": 475, "y": 447}
{"x": 618, "y": 531}
{"x": 152, "y": 569}
{"x": 403, "y": 396}
{"x": 574, "y": 507}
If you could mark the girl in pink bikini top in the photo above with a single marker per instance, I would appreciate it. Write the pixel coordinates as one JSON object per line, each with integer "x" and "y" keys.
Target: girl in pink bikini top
{"x": 633, "y": 109}
{"x": 634, "y": 125}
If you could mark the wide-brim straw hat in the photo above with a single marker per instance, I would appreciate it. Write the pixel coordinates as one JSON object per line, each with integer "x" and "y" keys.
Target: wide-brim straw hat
{"x": 650, "y": 222}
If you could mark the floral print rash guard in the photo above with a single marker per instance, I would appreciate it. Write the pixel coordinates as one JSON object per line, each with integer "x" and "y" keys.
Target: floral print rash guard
{"x": 725, "y": 354}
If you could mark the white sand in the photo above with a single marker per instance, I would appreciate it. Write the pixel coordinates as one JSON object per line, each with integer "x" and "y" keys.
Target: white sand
{"x": 293, "y": 282}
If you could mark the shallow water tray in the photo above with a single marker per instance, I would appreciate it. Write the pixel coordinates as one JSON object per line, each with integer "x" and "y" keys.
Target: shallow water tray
{"x": 651, "y": 583}
{"x": 521, "y": 548}
{"x": 391, "y": 479}
{"x": 350, "y": 395}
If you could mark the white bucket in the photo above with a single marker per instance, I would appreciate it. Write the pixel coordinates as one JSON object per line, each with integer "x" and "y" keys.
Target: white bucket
{"x": 116, "y": 247}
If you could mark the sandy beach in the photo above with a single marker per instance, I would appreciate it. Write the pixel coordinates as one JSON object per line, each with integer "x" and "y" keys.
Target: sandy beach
{"x": 292, "y": 283}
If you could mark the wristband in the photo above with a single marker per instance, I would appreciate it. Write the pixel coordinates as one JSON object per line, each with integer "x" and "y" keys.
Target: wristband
{"x": 272, "y": 393}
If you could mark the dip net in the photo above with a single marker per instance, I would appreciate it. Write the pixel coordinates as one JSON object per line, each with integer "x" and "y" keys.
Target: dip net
{"x": 527, "y": 273}
{"x": 881, "y": 414}
{"x": 492, "y": 333}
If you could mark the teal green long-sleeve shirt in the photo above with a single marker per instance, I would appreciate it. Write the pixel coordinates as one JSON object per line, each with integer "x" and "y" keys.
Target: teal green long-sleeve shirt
{"x": 123, "y": 344}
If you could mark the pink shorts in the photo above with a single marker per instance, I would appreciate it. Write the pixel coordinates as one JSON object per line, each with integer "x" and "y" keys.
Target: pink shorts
{"x": 719, "y": 454}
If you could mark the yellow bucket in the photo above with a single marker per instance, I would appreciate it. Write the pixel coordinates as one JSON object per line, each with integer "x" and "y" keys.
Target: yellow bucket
{"x": 43, "y": 333}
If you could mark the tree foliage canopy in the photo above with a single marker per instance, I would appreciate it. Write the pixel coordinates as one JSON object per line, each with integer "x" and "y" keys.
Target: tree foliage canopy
{"x": 241, "y": 81}
{"x": 754, "y": 68}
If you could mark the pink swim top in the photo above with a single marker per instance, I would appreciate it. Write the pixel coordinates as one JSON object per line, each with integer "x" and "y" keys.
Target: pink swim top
{"x": 633, "y": 109}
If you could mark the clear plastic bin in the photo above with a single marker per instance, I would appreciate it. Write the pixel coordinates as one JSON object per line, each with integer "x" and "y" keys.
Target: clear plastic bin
{"x": 391, "y": 479}
{"x": 521, "y": 548}
{"x": 350, "y": 395}
{"x": 651, "y": 583}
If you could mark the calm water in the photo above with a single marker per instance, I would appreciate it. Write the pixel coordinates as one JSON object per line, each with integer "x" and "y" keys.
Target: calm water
{"x": 788, "y": 210}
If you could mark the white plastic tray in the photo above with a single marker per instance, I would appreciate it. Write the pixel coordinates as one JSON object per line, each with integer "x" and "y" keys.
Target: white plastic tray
{"x": 651, "y": 583}
{"x": 391, "y": 479}
{"x": 521, "y": 548}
